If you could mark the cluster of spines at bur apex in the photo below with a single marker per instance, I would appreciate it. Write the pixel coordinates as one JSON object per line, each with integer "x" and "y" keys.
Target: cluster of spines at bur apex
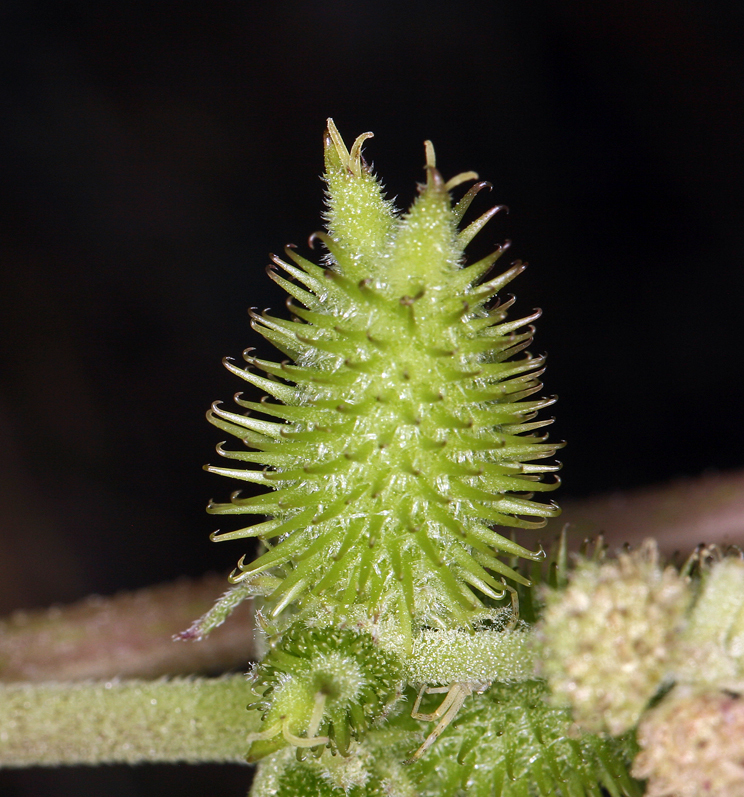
{"x": 402, "y": 429}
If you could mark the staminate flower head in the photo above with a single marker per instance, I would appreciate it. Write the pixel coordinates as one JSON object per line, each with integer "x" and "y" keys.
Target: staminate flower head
{"x": 608, "y": 639}
{"x": 692, "y": 745}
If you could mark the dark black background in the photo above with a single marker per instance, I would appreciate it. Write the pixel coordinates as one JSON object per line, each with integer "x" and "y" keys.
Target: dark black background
{"x": 154, "y": 153}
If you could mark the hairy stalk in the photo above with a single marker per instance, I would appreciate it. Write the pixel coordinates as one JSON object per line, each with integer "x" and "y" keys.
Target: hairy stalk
{"x": 128, "y": 635}
{"x": 108, "y": 723}
{"x": 679, "y": 514}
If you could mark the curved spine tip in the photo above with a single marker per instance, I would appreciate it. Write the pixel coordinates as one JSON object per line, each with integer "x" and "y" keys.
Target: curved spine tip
{"x": 431, "y": 157}
{"x": 459, "y": 179}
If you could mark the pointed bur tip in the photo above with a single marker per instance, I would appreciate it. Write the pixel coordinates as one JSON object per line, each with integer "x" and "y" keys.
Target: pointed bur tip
{"x": 338, "y": 156}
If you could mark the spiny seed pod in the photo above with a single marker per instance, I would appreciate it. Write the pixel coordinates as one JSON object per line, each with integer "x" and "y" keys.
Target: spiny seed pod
{"x": 403, "y": 428}
{"x": 321, "y": 687}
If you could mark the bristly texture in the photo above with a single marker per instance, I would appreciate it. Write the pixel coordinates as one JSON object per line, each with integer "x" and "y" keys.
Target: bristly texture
{"x": 321, "y": 688}
{"x": 509, "y": 742}
{"x": 514, "y": 744}
{"x": 691, "y": 745}
{"x": 403, "y": 428}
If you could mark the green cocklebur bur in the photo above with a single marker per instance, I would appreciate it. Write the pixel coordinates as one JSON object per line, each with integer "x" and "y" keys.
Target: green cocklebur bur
{"x": 322, "y": 687}
{"x": 402, "y": 429}
{"x": 394, "y": 441}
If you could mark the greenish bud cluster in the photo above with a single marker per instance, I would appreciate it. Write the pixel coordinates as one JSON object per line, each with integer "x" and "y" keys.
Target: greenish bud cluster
{"x": 368, "y": 773}
{"x": 712, "y": 646}
{"x": 395, "y": 445}
{"x": 608, "y": 640}
{"x": 321, "y": 687}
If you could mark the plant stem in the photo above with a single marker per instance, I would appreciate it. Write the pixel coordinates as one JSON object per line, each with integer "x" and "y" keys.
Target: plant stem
{"x": 188, "y": 720}
{"x": 679, "y": 515}
{"x": 442, "y": 657}
{"x": 128, "y": 635}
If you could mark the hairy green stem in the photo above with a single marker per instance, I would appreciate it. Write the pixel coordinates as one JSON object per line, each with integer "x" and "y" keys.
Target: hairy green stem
{"x": 443, "y": 657}
{"x": 183, "y": 720}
